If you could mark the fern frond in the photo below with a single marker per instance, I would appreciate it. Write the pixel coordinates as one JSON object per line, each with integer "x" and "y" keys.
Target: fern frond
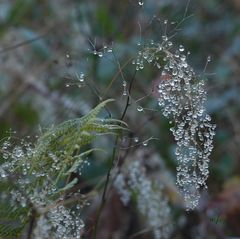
{"x": 68, "y": 129}
{"x": 12, "y": 220}
{"x": 58, "y": 153}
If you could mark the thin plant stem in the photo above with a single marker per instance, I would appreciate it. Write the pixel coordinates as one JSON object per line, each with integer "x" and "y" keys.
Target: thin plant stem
{"x": 103, "y": 200}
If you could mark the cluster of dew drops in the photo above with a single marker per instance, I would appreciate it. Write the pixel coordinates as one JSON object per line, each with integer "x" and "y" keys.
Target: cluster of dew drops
{"x": 80, "y": 78}
{"x": 150, "y": 200}
{"x": 16, "y": 165}
{"x": 182, "y": 96}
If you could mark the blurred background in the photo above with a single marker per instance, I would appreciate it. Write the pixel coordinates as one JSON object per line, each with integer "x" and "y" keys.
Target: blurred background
{"x": 45, "y": 46}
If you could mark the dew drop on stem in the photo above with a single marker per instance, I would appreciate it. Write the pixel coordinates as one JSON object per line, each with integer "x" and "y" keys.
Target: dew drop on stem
{"x": 145, "y": 143}
{"x": 181, "y": 48}
{"x": 136, "y": 139}
{"x": 139, "y": 108}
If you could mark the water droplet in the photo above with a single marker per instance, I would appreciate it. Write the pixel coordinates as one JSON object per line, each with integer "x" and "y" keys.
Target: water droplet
{"x": 174, "y": 72}
{"x": 3, "y": 174}
{"x": 124, "y": 92}
{"x": 209, "y": 58}
{"x": 181, "y": 48}
{"x": 183, "y": 57}
{"x": 145, "y": 143}
{"x": 177, "y": 54}
{"x": 67, "y": 85}
{"x": 139, "y": 108}
{"x": 140, "y": 2}
{"x": 170, "y": 43}
{"x": 136, "y": 139}
{"x": 100, "y": 54}
{"x": 5, "y": 155}
{"x": 165, "y": 38}
{"x": 81, "y": 77}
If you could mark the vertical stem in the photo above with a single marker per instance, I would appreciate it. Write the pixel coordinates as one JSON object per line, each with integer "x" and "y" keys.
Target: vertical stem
{"x": 103, "y": 200}
{"x": 31, "y": 223}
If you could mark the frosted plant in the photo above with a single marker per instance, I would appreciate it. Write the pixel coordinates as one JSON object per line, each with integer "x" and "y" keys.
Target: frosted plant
{"x": 59, "y": 223}
{"x": 120, "y": 185}
{"x": 151, "y": 203}
{"x": 181, "y": 95}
